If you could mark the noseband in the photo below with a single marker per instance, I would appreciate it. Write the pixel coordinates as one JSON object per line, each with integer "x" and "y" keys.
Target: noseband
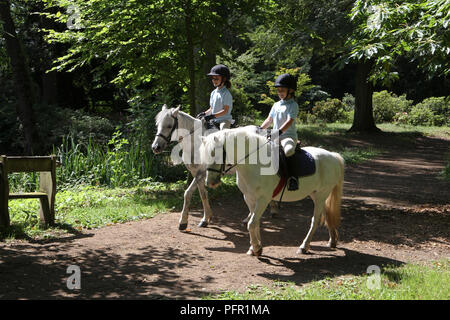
{"x": 168, "y": 138}
{"x": 222, "y": 170}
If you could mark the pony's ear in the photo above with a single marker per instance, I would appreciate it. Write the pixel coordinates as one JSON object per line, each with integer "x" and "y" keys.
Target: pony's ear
{"x": 175, "y": 111}
{"x": 203, "y": 139}
{"x": 164, "y": 107}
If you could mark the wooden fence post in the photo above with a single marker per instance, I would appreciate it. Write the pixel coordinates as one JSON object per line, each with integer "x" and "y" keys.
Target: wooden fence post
{"x": 48, "y": 185}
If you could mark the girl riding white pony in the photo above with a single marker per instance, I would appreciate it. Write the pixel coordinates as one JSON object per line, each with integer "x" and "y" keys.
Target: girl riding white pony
{"x": 324, "y": 186}
{"x": 175, "y": 125}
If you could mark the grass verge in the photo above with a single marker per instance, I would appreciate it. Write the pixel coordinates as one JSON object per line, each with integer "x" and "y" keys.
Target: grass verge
{"x": 88, "y": 207}
{"x": 407, "y": 282}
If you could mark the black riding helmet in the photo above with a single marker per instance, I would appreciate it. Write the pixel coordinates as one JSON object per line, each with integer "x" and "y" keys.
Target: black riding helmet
{"x": 286, "y": 80}
{"x": 220, "y": 70}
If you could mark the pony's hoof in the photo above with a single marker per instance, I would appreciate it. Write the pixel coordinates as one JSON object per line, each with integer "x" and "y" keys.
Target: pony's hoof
{"x": 250, "y": 252}
{"x": 244, "y": 223}
{"x": 203, "y": 224}
{"x": 332, "y": 245}
{"x": 303, "y": 251}
{"x": 182, "y": 226}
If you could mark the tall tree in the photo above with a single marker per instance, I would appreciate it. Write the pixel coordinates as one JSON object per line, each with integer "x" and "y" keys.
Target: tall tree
{"x": 24, "y": 86}
{"x": 387, "y": 30}
{"x": 157, "y": 45}
{"x": 320, "y": 28}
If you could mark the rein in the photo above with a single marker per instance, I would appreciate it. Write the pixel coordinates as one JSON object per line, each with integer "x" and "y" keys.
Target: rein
{"x": 224, "y": 171}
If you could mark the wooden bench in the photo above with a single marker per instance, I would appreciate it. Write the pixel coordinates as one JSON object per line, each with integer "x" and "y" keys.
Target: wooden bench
{"x": 46, "y": 166}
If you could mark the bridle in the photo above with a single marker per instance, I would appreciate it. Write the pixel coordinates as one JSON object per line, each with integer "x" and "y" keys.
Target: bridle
{"x": 222, "y": 170}
{"x": 169, "y": 137}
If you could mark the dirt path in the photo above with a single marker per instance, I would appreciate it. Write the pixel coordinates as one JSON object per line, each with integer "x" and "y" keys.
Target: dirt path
{"x": 395, "y": 210}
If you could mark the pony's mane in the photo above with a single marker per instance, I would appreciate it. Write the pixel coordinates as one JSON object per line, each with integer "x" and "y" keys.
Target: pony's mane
{"x": 163, "y": 113}
{"x": 220, "y": 138}
{"x": 243, "y": 133}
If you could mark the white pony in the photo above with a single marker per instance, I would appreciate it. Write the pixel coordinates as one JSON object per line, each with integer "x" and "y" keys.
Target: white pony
{"x": 324, "y": 186}
{"x": 175, "y": 125}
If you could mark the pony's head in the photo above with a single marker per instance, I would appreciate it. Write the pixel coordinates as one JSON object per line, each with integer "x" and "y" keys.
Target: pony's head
{"x": 166, "y": 124}
{"x": 229, "y": 147}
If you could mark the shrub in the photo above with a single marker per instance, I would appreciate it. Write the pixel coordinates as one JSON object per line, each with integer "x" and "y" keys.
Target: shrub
{"x": 386, "y": 105}
{"x": 311, "y": 118}
{"x": 440, "y": 107}
{"x": 330, "y": 110}
{"x": 401, "y": 118}
{"x": 421, "y": 115}
{"x": 348, "y": 116}
{"x": 302, "y": 116}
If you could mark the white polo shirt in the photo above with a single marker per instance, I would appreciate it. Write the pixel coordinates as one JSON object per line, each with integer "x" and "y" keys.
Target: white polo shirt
{"x": 282, "y": 111}
{"x": 218, "y": 100}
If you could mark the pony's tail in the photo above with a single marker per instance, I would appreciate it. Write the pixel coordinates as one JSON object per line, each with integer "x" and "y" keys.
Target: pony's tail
{"x": 333, "y": 202}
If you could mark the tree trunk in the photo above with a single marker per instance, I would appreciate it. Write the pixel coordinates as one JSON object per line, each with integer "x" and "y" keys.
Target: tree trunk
{"x": 204, "y": 85}
{"x": 22, "y": 80}
{"x": 49, "y": 79}
{"x": 190, "y": 59}
{"x": 50, "y": 87}
{"x": 363, "y": 120}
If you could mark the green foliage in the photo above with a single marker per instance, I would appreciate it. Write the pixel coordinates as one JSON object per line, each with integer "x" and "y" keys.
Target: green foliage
{"x": 121, "y": 164}
{"x": 388, "y": 29}
{"x": 160, "y": 46}
{"x": 303, "y": 85}
{"x": 420, "y": 115}
{"x": 434, "y": 111}
{"x": 330, "y": 110}
{"x": 245, "y": 84}
{"x": 93, "y": 207}
{"x": 386, "y": 105}
{"x": 440, "y": 108}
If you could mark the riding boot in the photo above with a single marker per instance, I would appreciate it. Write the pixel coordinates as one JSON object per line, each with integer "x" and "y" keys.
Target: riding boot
{"x": 292, "y": 182}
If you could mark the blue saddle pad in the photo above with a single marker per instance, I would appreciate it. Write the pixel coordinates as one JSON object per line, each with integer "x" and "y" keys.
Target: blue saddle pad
{"x": 304, "y": 163}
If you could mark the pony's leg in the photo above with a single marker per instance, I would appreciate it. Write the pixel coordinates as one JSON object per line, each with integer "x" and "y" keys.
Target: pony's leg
{"x": 334, "y": 235}
{"x": 254, "y": 228}
{"x": 251, "y": 208}
{"x": 273, "y": 208}
{"x": 319, "y": 208}
{"x": 207, "y": 212}
{"x": 187, "y": 201}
